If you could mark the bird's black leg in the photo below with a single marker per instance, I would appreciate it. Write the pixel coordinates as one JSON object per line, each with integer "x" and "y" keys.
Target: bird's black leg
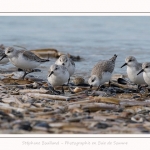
{"x": 91, "y": 87}
{"x": 62, "y": 89}
{"x": 139, "y": 88}
{"x": 68, "y": 81}
{"x": 25, "y": 73}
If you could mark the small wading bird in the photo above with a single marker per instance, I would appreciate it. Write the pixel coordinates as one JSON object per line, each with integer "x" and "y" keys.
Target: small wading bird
{"x": 23, "y": 59}
{"x": 146, "y": 72}
{"x": 133, "y": 67}
{"x": 2, "y": 53}
{"x": 58, "y": 75}
{"x": 102, "y": 72}
{"x": 64, "y": 60}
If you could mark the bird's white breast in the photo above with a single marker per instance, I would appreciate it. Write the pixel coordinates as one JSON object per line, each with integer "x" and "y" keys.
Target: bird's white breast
{"x": 146, "y": 77}
{"x": 59, "y": 79}
{"x": 105, "y": 77}
{"x": 132, "y": 74}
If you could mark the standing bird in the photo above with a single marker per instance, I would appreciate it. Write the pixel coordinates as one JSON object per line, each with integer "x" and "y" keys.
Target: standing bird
{"x": 64, "y": 60}
{"x": 23, "y": 59}
{"x": 2, "y": 53}
{"x": 146, "y": 72}
{"x": 133, "y": 67}
{"x": 58, "y": 75}
{"x": 102, "y": 72}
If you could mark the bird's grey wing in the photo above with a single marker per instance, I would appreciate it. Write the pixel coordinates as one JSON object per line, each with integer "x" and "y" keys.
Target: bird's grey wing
{"x": 2, "y": 53}
{"x": 103, "y": 66}
{"x": 31, "y": 56}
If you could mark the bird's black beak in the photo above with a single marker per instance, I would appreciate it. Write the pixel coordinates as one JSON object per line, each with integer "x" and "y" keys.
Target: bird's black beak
{"x": 51, "y": 73}
{"x": 91, "y": 86}
{"x": 140, "y": 71}
{"x": 124, "y": 65}
{"x": 3, "y": 57}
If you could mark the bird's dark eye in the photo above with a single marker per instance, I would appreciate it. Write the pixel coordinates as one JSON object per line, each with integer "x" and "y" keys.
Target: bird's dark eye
{"x": 93, "y": 80}
{"x": 146, "y": 67}
{"x": 130, "y": 60}
{"x": 8, "y": 51}
{"x": 56, "y": 68}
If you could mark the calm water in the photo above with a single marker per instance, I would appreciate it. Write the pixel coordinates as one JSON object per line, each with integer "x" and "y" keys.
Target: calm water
{"x": 93, "y": 38}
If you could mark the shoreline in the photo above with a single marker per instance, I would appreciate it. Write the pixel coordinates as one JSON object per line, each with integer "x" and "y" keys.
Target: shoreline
{"x": 29, "y": 107}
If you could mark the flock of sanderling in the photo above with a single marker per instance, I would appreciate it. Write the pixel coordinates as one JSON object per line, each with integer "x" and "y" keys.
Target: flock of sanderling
{"x": 64, "y": 67}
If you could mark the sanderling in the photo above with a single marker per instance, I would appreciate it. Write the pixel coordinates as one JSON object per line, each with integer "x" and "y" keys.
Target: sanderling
{"x": 2, "y": 53}
{"x": 23, "y": 59}
{"x": 68, "y": 63}
{"x": 133, "y": 67}
{"x": 146, "y": 72}
{"x": 58, "y": 75}
{"x": 102, "y": 72}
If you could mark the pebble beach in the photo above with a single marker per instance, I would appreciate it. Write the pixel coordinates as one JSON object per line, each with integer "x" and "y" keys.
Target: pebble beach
{"x": 28, "y": 106}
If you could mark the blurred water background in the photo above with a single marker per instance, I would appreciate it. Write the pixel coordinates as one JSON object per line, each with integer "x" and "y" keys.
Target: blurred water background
{"x": 93, "y": 38}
